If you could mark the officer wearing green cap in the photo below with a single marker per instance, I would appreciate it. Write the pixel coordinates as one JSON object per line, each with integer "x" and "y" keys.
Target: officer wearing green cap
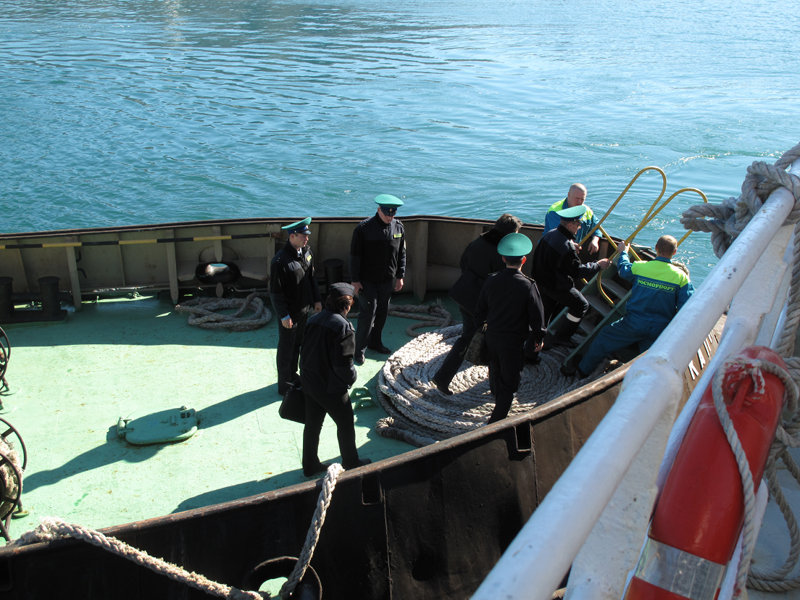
{"x": 557, "y": 269}
{"x": 576, "y": 196}
{"x": 377, "y": 268}
{"x": 294, "y": 294}
{"x": 510, "y": 305}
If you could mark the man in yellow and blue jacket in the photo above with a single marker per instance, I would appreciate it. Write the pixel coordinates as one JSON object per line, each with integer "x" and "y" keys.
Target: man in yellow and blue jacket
{"x": 576, "y": 196}
{"x": 660, "y": 289}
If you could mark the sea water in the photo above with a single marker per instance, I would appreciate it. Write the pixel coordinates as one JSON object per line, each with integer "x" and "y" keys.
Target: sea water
{"x": 137, "y": 112}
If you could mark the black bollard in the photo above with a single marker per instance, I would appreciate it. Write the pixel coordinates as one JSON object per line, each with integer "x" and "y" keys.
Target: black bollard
{"x": 6, "y": 303}
{"x": 51, "y": 304}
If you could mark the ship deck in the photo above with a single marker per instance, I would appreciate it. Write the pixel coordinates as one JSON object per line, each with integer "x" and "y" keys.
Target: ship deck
{"x": 71, "y": 381}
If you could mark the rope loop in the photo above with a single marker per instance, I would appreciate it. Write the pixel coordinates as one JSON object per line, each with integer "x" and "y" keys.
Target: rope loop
{"x": 727, "y": 220}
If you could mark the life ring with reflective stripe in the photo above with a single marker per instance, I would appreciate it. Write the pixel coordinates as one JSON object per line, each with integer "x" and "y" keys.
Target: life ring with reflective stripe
{"x": 700, "y": 511}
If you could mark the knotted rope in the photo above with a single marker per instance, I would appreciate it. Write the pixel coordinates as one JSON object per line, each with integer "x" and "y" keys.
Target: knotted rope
{"x": 725, "y": 222}
{"x": 420, "y": 414}
{"x": 202, "y": 312}
{"x": 52, "y": 528}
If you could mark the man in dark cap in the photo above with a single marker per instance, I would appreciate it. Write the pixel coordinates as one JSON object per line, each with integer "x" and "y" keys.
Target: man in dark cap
{"x": 510, "y": 306}
{"x": 294, "y": 293}
{"x": 377, "y": 268}
{"x": 557, "y": 269}
{"x": 326, "y": 373}
{"x": 480, "y": 258}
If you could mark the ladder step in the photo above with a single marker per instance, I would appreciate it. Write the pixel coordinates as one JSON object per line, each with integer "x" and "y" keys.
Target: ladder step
{"x": 600, "y": 305}
{"x": 614, "y": 288}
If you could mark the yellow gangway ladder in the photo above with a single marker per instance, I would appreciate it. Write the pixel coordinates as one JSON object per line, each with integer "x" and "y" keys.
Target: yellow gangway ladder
{"x": 606, "y": 292}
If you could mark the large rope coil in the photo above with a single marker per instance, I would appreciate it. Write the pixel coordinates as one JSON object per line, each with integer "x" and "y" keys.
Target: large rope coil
{"x": 420, "y": 414}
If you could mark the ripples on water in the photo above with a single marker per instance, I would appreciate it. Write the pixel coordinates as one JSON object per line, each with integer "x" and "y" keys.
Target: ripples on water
{"x": 129, "y": 112}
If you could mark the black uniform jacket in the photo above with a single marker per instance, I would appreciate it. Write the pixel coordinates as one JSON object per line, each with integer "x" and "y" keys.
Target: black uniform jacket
{"x": 510, "y": 305}
{"x": 326, "y": 356}
{"x": 556, "y": 265}
{"x": 378, "y": 251}
{"x": 480, "y": 258}
{"x": 293, "y": 288}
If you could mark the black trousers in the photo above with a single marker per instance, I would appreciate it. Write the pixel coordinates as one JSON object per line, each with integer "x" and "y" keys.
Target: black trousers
{"x": 288, "y": 352}
{"x": 506, "y": 361}
{"x": 340, "y": 410}
{"x": 373, "y": 300}
{"x": 455, "y": 357}
{"x": 553, "y": 302}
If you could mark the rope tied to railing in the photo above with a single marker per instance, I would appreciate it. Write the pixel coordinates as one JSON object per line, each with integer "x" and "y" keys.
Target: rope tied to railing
{"x": 727, "y": 220}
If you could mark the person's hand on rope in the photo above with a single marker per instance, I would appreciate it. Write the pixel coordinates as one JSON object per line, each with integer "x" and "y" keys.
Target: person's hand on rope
{"x": 603, "y": 263}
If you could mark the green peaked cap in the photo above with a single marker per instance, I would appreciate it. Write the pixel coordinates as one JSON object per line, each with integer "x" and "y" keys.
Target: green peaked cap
{"x": 299, "y": 226}
{"x": 572, "y": 213}
{"x": 514, "y": 244}
{"x": 388, "y": 200}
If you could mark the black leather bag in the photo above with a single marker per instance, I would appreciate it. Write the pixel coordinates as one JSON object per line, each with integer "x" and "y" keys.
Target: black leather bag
{"x": 477, "y": 353}
{"x": 293, "y": 405}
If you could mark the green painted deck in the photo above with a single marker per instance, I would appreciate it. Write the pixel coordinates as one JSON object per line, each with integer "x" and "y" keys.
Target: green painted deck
{"x": 71, "y": 381}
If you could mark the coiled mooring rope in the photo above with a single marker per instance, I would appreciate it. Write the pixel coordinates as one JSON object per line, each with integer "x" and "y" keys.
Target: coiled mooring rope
{"x": 420, "y": 414}
{"x": 203, "y": 312}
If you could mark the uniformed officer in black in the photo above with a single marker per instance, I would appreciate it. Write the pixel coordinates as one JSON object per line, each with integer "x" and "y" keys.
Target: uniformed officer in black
{"x": 479, "y": 259}
{"x": 557, "y": 267}
{"x": 377, "y": 268}
{"x": 510, "y": 306}
{"x": 294, "y": 294}
{"x": 326, "y": 373}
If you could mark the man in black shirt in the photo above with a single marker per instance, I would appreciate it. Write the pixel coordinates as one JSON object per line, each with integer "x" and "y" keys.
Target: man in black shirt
{"x": 510, "y": 306}
{"x": 557, "y": 268}
{"x": 480, "y": 258}
{"x": 377, "y": 268}
{"x": 326, "y": 373}
{"x": 294, "y": 293}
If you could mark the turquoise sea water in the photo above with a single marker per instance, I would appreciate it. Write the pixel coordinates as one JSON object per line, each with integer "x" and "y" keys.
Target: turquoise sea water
{"x": 134, "y": 112}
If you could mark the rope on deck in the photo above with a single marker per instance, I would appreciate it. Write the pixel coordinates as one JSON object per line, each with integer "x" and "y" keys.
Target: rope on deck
{"x": 202, "y": 312}
{"x": 52, "y": 528}
{"x": 725, "y": 223}
{"x": 420, "y": 414}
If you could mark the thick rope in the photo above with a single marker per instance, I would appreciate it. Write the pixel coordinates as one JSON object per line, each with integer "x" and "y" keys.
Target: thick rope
{"x": 756, "y": 369}
{"x": 725, "y": 222}
{"x": 10, "y": 482}
{"x": 52, "y": 528}
{"x": 202, "y": 312}
{"x": 312, "y": 537}
{"x": 420, "y": 414}
{"x": 432, "y": 315}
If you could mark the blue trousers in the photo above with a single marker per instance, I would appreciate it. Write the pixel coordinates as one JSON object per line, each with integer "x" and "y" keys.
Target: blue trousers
{"x": 616, "y": 336}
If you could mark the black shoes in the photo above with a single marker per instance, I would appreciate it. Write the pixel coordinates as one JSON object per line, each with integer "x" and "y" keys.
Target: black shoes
{"x": 379, "y": 348}
{"x": 315, "y": 469}
{"x": 358, "y": 358}
{"x": 361, "y": 462}
{"x": 441, "y": 387}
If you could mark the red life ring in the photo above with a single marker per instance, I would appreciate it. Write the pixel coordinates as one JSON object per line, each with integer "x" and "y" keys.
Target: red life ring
{"x": 700, "y": 511}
